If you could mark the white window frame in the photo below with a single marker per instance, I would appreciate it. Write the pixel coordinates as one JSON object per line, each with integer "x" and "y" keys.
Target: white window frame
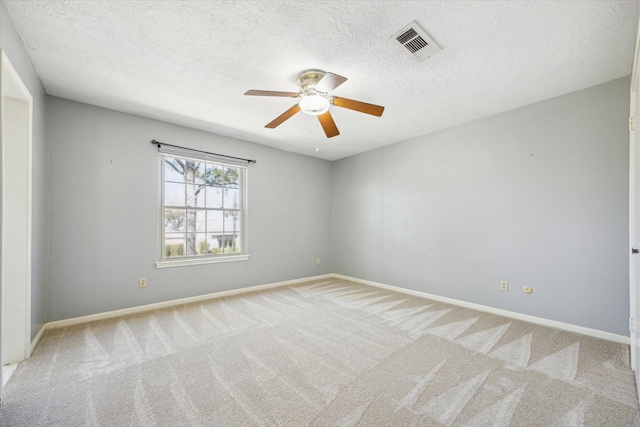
{"x": 184, "y": 153}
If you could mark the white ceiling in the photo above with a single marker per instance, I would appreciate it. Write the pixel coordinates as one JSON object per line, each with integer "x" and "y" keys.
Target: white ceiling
{"x": 190, "y": 62}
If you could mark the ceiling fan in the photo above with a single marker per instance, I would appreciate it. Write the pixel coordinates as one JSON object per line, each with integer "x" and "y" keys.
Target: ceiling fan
{"x": 314, "y": 87}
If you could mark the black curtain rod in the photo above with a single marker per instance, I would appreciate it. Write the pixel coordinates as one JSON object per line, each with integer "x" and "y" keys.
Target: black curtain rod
{"x": 158, "y": 143}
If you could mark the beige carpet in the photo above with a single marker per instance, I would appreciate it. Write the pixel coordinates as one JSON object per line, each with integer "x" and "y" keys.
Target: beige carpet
{"x": 320, "y": 353}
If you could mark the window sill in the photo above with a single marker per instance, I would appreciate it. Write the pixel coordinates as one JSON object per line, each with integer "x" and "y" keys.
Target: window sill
{"x": 198, "y": 261}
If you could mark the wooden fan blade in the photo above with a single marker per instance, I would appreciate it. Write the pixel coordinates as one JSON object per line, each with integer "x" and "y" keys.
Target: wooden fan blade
{"x": 282, "y": 117}
{"x": 271, "y": 93}
{"x": 329, "y": 126}
{"x": 363, "y": 107}
{"x": 329, "y": 82}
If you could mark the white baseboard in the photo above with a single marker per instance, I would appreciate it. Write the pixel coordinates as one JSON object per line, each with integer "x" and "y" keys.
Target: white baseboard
{"x": 139, "y": 309}
{"x": 506, "y": 313}
{"x": 36, "y": 340}
{"x": 7, "y": 371}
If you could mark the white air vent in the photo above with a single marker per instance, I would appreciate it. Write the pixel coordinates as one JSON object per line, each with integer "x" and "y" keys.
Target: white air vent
{"x": 416, "y": 42}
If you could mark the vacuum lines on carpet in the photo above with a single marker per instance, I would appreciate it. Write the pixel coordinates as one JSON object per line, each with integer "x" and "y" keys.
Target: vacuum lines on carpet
{"x": 327, "y": 352}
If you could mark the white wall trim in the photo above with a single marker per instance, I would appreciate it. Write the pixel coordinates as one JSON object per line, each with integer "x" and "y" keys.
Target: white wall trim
{"x": 15, "y": 88}
{"x": 24, "y": 94}
{"x": 200, "y": 260}
{"x": 500, "y": 312}
{"x": 506, "y": 313}
{"x": 36, "y": 340}
{"x": 171, "y": 303}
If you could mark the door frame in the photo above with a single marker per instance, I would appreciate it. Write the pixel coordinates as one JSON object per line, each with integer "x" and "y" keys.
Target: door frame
{"x": 634, "y": 212}
{"x": 12, "y": 86}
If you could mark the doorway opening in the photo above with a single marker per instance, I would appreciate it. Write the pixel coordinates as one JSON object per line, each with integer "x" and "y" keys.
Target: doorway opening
{"x": 16, "y": 116}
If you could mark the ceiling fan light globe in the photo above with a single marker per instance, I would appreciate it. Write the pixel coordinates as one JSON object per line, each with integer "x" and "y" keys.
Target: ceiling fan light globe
{"x": 314, "y": 104}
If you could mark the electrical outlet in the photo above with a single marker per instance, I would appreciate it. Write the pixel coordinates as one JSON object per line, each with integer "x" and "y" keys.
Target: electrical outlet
{"x": 504, "y": 285}
{"x": 318, "y": 261}
{"x": 143, "y": 282}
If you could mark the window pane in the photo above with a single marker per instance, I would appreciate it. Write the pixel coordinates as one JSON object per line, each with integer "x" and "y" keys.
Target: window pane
{"x": 191, "y": 247}
{"x": 214, "y": 175}
{"x": 193, "y": 172}
{"x": 231, "y": 177}
{"x": 199, "y": 170}
{"x": 215, "y": 222}
{"x": 214, "y": 197}
{"x": 195, "y": 221}
{"x": 231, "y": 198}
{"x": 174, "y": 194}
{"x": 224, "y": 243}
{"x": 232, "y": 229}
{"x": 231, "y": 221}
{"x": 201, "y": 193}
{"x": 173, "y": 169}
{"x": 236, "y": 245}
{"x": 215, "y": 246}
{"x": 191, "y": 195}
{"x": 203, "y": 247}
{"x": 174, "y": 245}
{"x": 201, "y": 221}
{"x": 174, "y": 220}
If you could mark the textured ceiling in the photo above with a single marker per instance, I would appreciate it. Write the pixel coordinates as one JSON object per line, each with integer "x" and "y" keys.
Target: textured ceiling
{"x": 189, "y": 62}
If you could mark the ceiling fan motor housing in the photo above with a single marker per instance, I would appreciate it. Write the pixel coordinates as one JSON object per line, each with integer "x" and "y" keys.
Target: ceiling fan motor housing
{"x": 307, "y": 81}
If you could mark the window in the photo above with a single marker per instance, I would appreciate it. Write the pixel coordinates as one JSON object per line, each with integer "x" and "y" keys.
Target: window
{"x": 203, "y": 215}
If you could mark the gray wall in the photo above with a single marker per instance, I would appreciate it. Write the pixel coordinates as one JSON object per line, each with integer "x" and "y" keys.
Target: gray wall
{"x": 537, "y": 196}
{"x": 105, "y": 207}
{"x": 12, "y": 45}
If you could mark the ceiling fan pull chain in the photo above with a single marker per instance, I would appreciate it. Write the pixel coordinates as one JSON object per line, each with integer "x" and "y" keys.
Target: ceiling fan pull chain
{"x": 311, "y": 130}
